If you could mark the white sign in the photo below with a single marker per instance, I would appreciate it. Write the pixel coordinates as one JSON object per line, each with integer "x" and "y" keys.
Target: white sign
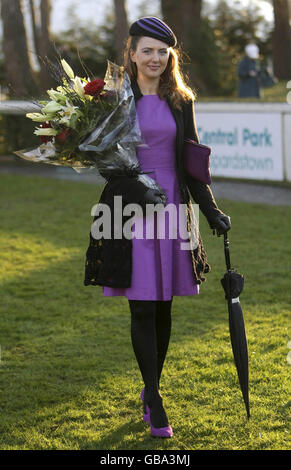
{"x": 243, "y": 145}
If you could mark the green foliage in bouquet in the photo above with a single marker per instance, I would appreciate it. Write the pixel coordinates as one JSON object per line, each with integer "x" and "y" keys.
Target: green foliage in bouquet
{"x": 75, "y": 109}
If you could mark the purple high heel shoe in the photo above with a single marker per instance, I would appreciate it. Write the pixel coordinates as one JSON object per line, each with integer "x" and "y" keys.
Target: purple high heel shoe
{"x": 146, "y": 416}
{"x": 161, "y": 432}
{"x": 166, "y": 431}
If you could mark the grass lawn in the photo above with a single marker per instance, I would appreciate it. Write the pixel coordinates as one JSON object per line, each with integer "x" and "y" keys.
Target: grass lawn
{"x": 69, "y": 379}
{"x": 277, "y": 93}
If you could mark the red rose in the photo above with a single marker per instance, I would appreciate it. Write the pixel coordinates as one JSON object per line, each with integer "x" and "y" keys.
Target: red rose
{"x": 94, "y": 88}
{"x": 62, "y": 136}
{"x": 45, "y": 138}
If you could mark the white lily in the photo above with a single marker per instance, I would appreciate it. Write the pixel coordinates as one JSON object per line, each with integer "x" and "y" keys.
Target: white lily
{"x": 69, "y": 121}
{"x": 52, "y": 107}
{"x": 45, "y": 131}
{"x": 65, "y": 120}
{"x": 78, "y": 87}
{"x": 69, "y": 108}
{"x": 56, "y": 95}
{"x": 67, "y": 69}
{"x": 68, "y": 111}
{"x": 38, "y": 117}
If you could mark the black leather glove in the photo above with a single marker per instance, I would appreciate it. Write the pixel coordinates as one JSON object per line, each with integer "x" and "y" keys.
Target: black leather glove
{"x": 221, "y": 224}
{"x": 152, "y": 196}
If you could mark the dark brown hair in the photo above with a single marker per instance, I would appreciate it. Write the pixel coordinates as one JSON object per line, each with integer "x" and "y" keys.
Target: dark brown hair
{"x": 172, "y": 81}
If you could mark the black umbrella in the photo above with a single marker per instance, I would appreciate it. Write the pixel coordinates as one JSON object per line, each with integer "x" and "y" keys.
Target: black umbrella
{"x": 233, "y": 283}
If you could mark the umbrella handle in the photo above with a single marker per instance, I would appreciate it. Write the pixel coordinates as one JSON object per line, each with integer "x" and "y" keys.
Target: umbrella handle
{"x": 226, "y": 251}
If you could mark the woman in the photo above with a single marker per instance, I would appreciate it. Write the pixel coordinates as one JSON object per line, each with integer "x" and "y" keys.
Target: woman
{"x": 249, "y": 73}
{"x": 148, "y": 272}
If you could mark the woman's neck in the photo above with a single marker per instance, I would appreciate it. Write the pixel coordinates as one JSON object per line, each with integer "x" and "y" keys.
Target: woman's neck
{"x": 148, "y": 86}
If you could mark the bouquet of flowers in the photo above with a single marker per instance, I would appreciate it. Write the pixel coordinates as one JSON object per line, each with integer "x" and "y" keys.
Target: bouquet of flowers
{"x": 90, "y": 124}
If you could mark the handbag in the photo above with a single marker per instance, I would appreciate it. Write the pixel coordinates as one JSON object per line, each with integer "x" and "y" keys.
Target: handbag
{"x": 196, "y": 159}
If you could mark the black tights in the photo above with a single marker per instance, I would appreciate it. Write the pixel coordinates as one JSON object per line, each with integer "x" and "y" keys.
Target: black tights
{"x": 150, "y": 334}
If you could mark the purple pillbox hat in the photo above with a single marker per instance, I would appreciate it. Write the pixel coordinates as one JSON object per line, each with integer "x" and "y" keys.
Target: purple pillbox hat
{"x": 154, "y": 28}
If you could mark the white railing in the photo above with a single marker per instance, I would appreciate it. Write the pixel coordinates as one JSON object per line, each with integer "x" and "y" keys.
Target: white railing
{"x": 248, "y": 140}
{"x": 17, "y": 107}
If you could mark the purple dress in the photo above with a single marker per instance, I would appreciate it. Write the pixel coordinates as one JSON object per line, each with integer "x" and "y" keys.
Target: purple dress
{"x": 160, "y": 268}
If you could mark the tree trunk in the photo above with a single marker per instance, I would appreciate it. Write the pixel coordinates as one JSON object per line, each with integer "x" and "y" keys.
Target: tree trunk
{"x": 35, "y": 28}
{"x": 18, "y": 72}
{"x": 121, "y": 29}
{"x": 46, "y": 49}
{"x": 186, "y": 21}
{"x": 282, "y": 40}
{"x": 183, "y": 19}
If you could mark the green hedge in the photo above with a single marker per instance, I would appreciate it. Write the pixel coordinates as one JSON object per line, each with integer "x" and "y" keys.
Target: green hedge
{"x": 16, "y": 132}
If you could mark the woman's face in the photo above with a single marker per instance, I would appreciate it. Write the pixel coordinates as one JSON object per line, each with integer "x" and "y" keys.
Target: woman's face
{"x": 151, "y": 56}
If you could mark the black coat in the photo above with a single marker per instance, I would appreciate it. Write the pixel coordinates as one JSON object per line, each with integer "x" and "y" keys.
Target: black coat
{"x": 249, "y": 86}
{"x": 109, "y": 261}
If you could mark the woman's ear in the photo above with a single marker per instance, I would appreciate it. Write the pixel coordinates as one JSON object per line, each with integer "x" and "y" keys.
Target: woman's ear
{"x": 131, "y": 55}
